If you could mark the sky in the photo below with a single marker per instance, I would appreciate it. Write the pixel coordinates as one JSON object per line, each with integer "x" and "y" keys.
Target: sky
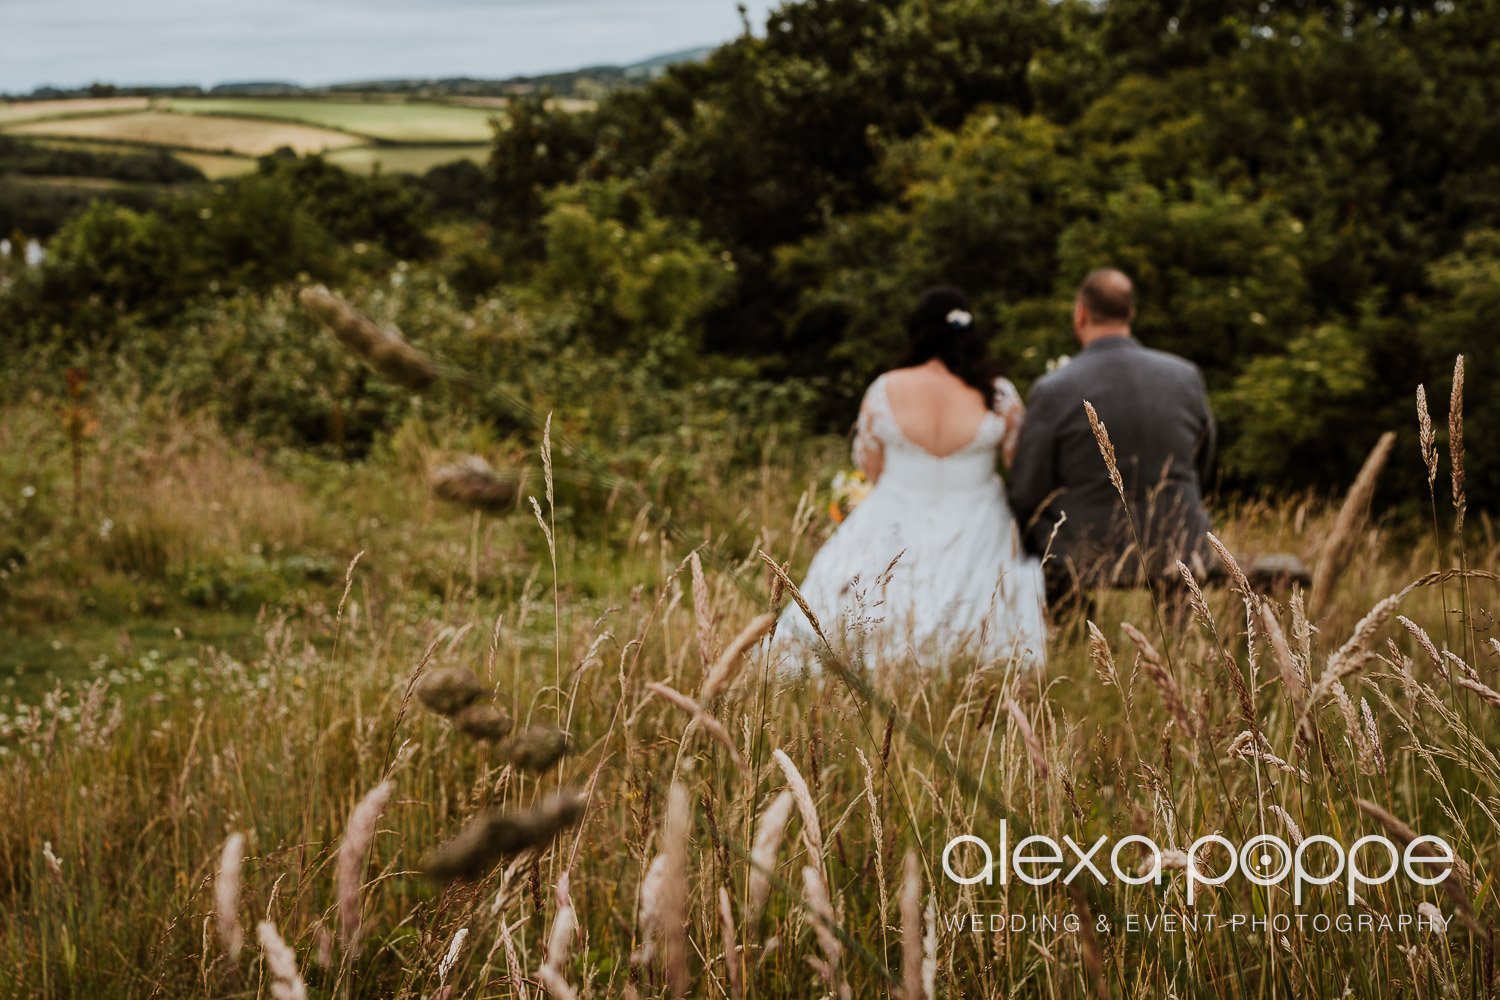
{"x": 69, "y": 43}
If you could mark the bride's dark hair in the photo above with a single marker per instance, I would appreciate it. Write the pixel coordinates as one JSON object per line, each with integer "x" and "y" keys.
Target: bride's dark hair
{"x": 943, "y": 326}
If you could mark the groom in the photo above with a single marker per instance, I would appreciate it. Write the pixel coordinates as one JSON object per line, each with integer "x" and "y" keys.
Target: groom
{"x": 1156, "y": 411}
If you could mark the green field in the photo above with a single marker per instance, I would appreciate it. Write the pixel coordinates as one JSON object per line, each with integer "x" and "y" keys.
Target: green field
{"x": 404, "y": 159}
{"x": 222, "y": 136}
{"x": 384, "y": 121}
{"x": 246, "y": 136}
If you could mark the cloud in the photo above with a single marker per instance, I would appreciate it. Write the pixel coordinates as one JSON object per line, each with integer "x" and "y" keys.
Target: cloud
{"x": 72, "y": 42}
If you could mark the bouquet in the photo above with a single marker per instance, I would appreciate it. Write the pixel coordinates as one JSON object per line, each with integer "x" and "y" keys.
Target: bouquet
{"x": 846, "y": 492}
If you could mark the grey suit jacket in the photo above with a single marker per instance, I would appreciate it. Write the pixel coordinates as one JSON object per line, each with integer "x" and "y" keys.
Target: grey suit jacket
{"x": 1156, "y": 410}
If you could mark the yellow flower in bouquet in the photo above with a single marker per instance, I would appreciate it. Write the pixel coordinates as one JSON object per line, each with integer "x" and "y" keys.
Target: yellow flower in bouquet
{"x": 847, "y": 491}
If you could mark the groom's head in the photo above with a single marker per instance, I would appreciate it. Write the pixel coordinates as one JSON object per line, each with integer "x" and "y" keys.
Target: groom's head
{"x": 1104, "y": 307}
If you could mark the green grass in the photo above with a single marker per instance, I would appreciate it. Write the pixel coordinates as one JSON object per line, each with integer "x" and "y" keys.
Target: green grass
{"x": 199, "y": 133}
{"x": 388, "y": 121}
{"x": 405, "y": 160}
{"x": 136, "y": 653}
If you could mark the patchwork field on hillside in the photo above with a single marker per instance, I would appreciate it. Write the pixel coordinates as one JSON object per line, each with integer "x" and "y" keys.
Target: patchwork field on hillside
{"x": 222, "y": 136}
{"x": 386, "y": 121}
{"x": 13, "y": 112}
{"x": 246, "y": 136}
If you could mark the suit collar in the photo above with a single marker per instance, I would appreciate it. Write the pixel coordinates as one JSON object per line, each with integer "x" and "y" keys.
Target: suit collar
{"x": 1112, "y": 344}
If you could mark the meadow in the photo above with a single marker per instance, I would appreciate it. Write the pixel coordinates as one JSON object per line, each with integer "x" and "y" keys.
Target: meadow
{"x": 197, "y": 812}
{"x": 246, "y": 137}
{"x": 389, "y": 121}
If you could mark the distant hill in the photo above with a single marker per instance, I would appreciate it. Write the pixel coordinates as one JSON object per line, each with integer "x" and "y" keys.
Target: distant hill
{"x": 590, "y": 81}
{"x": 656, "y": 65}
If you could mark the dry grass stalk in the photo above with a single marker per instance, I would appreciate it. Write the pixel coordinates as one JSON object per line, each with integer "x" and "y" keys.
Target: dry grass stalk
{"x": 722, "y": 675}
{"x": 1250, "y": 745}
{"x": 358, "y": 836}
{"x": 513, "y": 962}
{"x": 537, "y": 748}
{"x": 483, "y": 722}
{"x": 1351, "y": 724}
{"x": 1456, "y": 444}
{"x": 1339, "y": 546}
{"x": 560, "y": 945}
{"x": 1293, "y": 676}
{"x": 1028, "y": 736}
{"x": 1236, "y": 572}
{"x": 473, "y": 482}
{"x": 1242, "y": 694}
{"x": 1372, "y": 737}
{"x": 664, "y": 895}
{"x": 1355, "y": 652}
{"x": 227, "y": 896}
{"x": 1101, "y": 656}
{"x": 1428, "y": 646}
{"x": 830, "y": 965}
{"x": 448, "y": 690}
{"x": 769, "y": 832}
{"x": 494, "y": 835}
{"x": 384, "y": 350}
{"x": 877, "y": 828}
{"x": 711, "y": 725}
{"x": 785, "y": 581}
{"x": 281, "y": 962}
{"x": 778, "y": 587}
{"x": 450, "y": 957}
{"x": 1428, "y": 438}
{"x": 1397, "y": 828}
{"x": 730, "y": 941}
{"x": 547, "y": 462}
{"x": 541, "y": 519}
{"x": 647, "y": 918}
{"x": 1247, "y": 593}
{"x": 671, "y": 908}
{"x": 1291, "y": 825}
{"x": 702, "y": 610}
{"x": 1453, "y": 887}
{"x": 1156, "y": 669}
{"x": 929, "y": 950}
{"x": 1088, "y": 946}
{"x": 1196, "y": 600}
{"x": 1464, "y": 670}
{"x": 812, "y": 830}
{"x": 911, "y": 929}
{"x": 1107, "y": 450}
{"x": 1484, "y": 691}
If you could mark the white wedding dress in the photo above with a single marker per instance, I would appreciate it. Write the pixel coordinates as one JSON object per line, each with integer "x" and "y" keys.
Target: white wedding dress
{"x": 928, "y": 570}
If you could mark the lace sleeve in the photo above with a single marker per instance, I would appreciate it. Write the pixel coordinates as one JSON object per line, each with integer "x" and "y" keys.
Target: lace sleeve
{"x": 868, "y": 452}
{"x": 1010, "y": 408}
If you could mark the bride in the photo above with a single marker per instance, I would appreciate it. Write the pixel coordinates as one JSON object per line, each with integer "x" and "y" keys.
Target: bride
{"x": 929, "y": 568}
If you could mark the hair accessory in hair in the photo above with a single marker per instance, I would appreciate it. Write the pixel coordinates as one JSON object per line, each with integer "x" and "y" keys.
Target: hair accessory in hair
{"x": 959, "y": 319}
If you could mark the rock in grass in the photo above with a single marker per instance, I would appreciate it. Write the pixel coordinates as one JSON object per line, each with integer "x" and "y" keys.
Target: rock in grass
{"x": 448, "y": 690}
{"x": 538, "y": 748}
{"x": 473, "y": 482}
{"x": 483, "y": 722}
{"x": 495, "y": 835}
